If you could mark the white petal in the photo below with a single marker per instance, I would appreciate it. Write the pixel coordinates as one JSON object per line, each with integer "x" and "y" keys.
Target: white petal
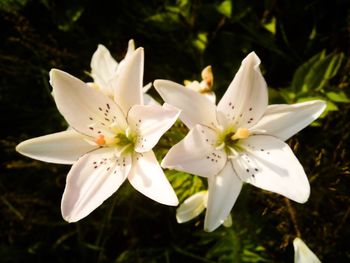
{"x": 196, "y": 153}
{"x": 85, "y": 109}
{"x": 246, "y": 98}
{"x": 94, "y": 178}
{"x": 128, "y": 85}
{"x": 192, "y": 207}
{"x": 103, "y": 69}
{"x": 150, "y": 122}
{"x": 224, "y": 189}
{"x": 62, "y": 147}
{"x": 303, "y": 254}
{"x": 270, "y": 164}
{"x": 210, "y": 96}
{"x": 148, "y": 100}
{"x": 195, "y": 108}
{"x": 147, "y": 177}
{"x": 283, "y": 121}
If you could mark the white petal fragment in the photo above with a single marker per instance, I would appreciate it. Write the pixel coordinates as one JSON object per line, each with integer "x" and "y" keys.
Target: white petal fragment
{"x": 62, "y": 147}
{"x": 270, "y": 164}
{"x": 224, "y": 189}
{"x": 150, "y": 122}
{"x": 86, "y": 109}
{"x": 128, "y": 85}
{"x": 246, "y": 98}
{"x": 195, "y": 108}
{"x": 283, "y": 121}
{"x": 303, "y": 254}
{"x": 197, "y": 153}
{"x": 192, "y": 207}
{"x": 94, "y": 178}
{"x": 148, "y": 178}
{"x": 103, "y": 69}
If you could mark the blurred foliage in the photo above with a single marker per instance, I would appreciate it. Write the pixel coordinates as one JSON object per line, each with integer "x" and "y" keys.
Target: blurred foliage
{"x": 304, "y": 48}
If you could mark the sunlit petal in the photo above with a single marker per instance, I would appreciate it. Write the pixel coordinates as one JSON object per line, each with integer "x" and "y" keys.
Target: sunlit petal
{"x": 128, "y": 85}
{"x": 63, "y": 147}
{"x": 303, "y": 254}
{"x": 246, "y": 98}
{"x": 192, "y": 207}
{"x": 223, "y": 190}
{"x": 148, "y": 178}
{"x": 195, "y": 108}
{"x": 269, "y": 163}
{"x": 150, "y": 122}
{"x": 283, "y": 121}
{"x": 103, "y": 69}
{"x": 94, "y": 178}
{"x": 86, "y": 109}
{"x": 197, "y": 153}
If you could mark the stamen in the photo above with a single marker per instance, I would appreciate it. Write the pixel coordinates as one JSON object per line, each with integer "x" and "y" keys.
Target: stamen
{"x": 241, "y": 133}
{"x": 101, "y": 140}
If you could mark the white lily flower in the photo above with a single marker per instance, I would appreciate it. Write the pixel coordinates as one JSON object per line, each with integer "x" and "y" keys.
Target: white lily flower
{"x": 195, "y": 205}
{"x": 105, "y": 70}
{"x": 303, "y": 254}
{"x": 239, "y": 140}
{"x": 204, "y": 87}
{"x": 111, "y": 140}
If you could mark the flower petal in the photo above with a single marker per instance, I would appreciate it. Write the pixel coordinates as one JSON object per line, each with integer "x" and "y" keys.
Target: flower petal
{"x": 103, "y": 69}
{"x": 150, "y": 122}
{"x": 192, "y": 207}
{"x": 147, "y": 177}
{"x": 196, "y": 153}
{"x": 224, "y": 189}
{"x": 62, "y": 147}
{"x": 94, "y": 178}
{"x": 246, "y": 98}
{"x": 128, "y": 84}
{"x": 85, "y": 109}
{"x": 303, "y": 254}
{"x": 270, "y": 164}
{"x": 284, "y": 120}
{"x": 195, "y": 108}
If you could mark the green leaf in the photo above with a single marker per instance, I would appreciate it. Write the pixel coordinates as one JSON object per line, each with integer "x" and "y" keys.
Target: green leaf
{"x": 340, "y": 97}
{"x": 225, "y": 8}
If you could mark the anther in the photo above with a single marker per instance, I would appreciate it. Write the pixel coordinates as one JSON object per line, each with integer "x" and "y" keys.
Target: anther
{"x": 241, "y": 133}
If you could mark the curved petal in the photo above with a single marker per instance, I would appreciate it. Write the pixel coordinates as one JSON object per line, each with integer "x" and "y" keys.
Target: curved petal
{"x": 147, "y": 177}
{"x": 128, "y": 84}
{"x": 283, "y": 121}
{"x": 86, "y": 109}
{"x": 103, "y": 69}
{"x": 62, "y": 147}
{"x": 94, "y": 178}
{"x": 246, "y": 98}
{"x": 303, "y": 254}
{"x": 150, "y": 122}
{"x": 223, "y": 190}
{"x": 192, "y": 207}
{"x": 148, "y": 100}
{"x": 270, "y": 164}
{"x": 196, "y": 153}
{"x": 195, "y": 108}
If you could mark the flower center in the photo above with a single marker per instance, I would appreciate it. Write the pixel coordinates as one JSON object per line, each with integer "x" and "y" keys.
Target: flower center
{"x": 124, "y": 142}
{"x": 230, "y": 140}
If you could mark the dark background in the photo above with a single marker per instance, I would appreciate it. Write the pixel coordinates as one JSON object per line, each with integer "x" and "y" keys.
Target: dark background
{"x": 304, "y": 48}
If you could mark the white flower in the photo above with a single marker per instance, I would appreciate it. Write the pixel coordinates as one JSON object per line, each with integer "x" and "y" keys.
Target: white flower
{"x": 239, "y": 140}
{"x": 204, "y": 87}
{"x": 195, "y": 205}
{"x": 111, "y": 140}
{"x": 105, "y": 71}
{"x": 303, "y": 254}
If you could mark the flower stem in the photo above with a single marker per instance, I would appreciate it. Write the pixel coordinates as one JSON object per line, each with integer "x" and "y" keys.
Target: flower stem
{"x": 292, "y": 214}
